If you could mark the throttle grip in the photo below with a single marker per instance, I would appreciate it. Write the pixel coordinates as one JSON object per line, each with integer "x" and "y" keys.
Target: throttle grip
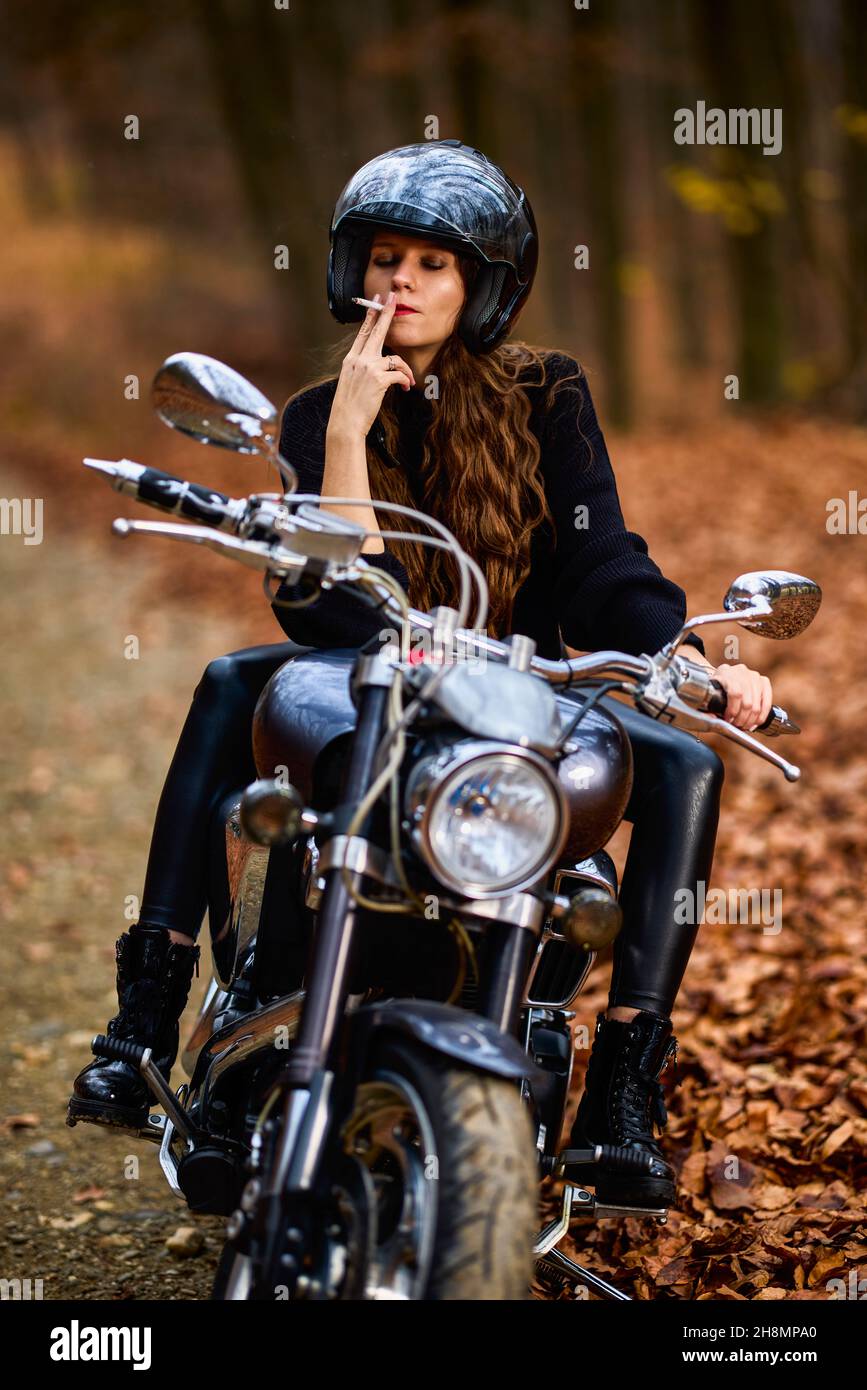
{"x": 717, "y": 700}
{"x": 777, "y": 721}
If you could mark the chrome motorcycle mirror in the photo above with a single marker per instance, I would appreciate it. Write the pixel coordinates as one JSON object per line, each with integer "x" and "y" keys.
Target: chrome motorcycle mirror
{"x": 791, "y": 602}
{"x": 214, "y": 404}
{"x": 773, "y": 603}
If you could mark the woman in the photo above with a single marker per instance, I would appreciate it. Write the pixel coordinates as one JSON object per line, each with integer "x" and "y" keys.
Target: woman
{"x": 499, "y": 440}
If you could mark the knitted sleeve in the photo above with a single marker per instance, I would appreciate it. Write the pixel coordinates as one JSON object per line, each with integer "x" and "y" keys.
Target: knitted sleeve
{"x": 337, "y": 618}
{"x": 608, "y": 591}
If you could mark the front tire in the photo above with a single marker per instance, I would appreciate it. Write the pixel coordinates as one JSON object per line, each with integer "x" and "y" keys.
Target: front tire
{"x": 472, "y": 1142}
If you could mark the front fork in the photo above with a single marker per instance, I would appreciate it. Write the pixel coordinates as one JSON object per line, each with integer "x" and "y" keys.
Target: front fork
{"x": 510, "y": 951}
{"x": 309, "y": 1073}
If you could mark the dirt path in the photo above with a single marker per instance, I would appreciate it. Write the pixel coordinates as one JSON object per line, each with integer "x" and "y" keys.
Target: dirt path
{"x": 85, "y": 740}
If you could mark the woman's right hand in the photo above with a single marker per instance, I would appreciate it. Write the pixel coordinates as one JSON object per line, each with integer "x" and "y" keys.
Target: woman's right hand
{"x": 364, "y": 377}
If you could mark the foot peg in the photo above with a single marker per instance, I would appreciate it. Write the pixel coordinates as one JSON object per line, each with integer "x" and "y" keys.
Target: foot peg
{"x": 577, "y": 1202}
{"x": 572, "y": 1165}
{"x": 623, "y": 1160}
{"x": 116, "y": 1050}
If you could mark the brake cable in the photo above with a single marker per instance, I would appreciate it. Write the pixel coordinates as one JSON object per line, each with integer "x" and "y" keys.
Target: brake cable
{"x": 600, "y": 690}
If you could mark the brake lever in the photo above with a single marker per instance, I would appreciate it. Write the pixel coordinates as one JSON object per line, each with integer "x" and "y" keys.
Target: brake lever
{"x": 714, "y": 725}
{"x": 284, "y": 564}
{"x": 660, "y": 699}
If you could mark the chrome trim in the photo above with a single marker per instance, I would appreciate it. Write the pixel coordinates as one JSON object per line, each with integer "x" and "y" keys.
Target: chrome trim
{"x": 549, "y": 935}
{"x": 310, "y": 871}
{"x": 312, "y": 1133}
{"x": 251, "y": 1034}
{"x": 295, "y": 1108}
{"x": 792, "y": 600}
{"x": 398, "y": 1266}
{"x": 598, "y": 869}
{"x": 162, "y": 1094}
{"x": 240, "y": 1280}
{"x": 773, "y": 603}
{"x": 211, "y": 1006}
{"x": 361, "y": 856}
{"x": 521, "y": 909}
{"x": 551, "y": 1234}
{"x": 541, "y": 1013}
{"x": 154, "y": 1129}
{"x": 168, "y": 1162}
{"x": 247, "y": 867}
{"x": 580, "y": 1274}
{"x": 522, "y": 649}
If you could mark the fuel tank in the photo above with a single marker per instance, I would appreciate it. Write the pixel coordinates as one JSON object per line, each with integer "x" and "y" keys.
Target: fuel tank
{"x": 304, "y": 707}
{"x": 596, "y": 775}
{"x": 307, "y": 705}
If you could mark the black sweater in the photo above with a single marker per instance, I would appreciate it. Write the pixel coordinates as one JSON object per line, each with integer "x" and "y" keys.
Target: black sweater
{"x": 596, "y": 581}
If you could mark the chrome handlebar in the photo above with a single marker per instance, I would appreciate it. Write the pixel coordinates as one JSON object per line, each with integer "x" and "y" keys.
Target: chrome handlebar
{"x": 262, "y": 533}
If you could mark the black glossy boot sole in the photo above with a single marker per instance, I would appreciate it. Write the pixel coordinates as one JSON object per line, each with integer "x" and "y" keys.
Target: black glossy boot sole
{"x": 622, "y": 1190}
{"x": 112, "y": 1116}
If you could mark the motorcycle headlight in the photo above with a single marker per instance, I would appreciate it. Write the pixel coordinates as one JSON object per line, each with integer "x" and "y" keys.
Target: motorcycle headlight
{"x": 488, "y": 820}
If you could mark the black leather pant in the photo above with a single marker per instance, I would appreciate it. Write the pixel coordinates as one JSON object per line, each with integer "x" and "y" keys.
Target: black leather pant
{"x": 673, "y": 808}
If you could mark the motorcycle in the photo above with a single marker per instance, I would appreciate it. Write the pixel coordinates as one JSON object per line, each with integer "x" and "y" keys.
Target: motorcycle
{"x": 379, "y": 1127}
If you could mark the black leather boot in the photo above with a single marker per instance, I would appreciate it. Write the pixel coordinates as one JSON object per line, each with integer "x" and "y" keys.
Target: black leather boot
{"x": 153, "y": 982}
{"x": 622, "y": 1101}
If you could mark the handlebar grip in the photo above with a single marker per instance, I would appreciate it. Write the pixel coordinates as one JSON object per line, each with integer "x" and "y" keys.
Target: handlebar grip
{"x": 192, "y": 501}
{"x": 777, "y": 721}
{"x": 717, "y": 699}
{"x": 175, "y": 495}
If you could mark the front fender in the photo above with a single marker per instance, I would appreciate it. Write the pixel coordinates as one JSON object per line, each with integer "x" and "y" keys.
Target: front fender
{"x": 468, "y": 1038}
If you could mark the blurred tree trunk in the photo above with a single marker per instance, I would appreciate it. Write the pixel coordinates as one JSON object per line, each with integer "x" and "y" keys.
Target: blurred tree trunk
{"x": 540, "y": 122}
{"x": 404, "y": 83}
{"x": 664, "y": 33}
{"x": 469, "y": 73}
{"x": 854, "y": 44}
{"x": 252, "y": 70}
{"x": 733, "y": 44}
{"x": 599, "y": 132}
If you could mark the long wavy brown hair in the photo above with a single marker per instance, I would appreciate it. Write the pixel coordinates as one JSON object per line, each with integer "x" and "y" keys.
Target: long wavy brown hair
{"x": 480, "y": 472}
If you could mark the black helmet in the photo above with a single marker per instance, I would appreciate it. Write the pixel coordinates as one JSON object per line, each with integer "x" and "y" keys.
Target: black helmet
{"x": 445, "y": 191}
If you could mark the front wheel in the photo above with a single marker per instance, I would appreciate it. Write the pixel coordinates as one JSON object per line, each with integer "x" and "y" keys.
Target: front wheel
{"x": 439, "y": 1198}
{"x": 434, "y": 1192}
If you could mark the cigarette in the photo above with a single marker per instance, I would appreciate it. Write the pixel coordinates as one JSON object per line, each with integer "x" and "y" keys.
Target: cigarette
{"x": 368, "y": 303}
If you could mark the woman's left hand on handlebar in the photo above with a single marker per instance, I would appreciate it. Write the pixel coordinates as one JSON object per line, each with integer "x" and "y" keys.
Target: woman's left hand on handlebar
{"x": 749, "y": 695}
